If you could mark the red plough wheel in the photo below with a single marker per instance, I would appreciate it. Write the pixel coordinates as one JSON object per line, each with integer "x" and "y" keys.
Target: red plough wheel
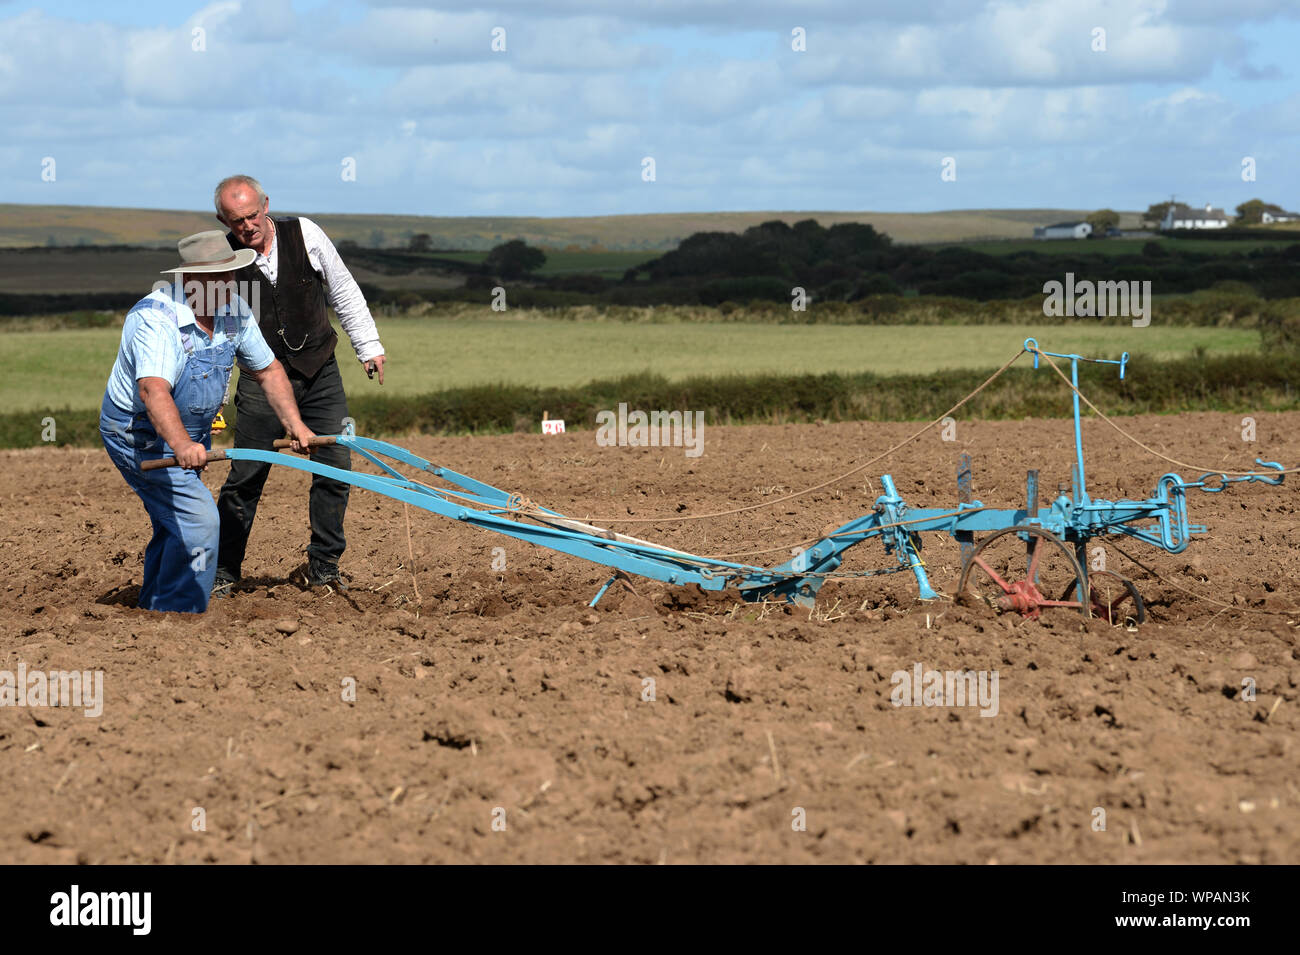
{"x": 1017, "y": 569}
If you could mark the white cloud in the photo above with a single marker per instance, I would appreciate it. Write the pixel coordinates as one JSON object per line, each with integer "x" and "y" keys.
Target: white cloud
{"x": 715, "y": 13}
{"x": 53, "y": 62}
{"x": 726, "y": 88}
{"x": 402, "y": 36}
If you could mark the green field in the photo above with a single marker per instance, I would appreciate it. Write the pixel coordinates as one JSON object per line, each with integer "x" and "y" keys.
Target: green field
{"x": 68, "y": 368}
{"x": 1122, "y": 246}
{"x": 38, "y": 225}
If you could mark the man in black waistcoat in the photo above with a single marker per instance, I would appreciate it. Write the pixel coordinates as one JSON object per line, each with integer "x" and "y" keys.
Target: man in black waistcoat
{"x": 297, "y": 271}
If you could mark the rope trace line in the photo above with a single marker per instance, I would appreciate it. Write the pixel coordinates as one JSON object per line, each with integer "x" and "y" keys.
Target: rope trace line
{"x": 1182, "y": 464}
{"x": 674, "y": 519}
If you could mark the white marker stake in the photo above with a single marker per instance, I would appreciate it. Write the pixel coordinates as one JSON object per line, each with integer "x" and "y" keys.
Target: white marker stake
{"x": 552, "y": 425}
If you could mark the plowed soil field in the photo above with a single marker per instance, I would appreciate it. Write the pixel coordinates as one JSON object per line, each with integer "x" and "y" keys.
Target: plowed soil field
{"x": 495, "y": 717}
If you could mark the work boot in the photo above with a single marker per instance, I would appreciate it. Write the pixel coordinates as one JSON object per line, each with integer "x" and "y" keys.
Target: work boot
{"x": 224, "y": 585}
{"x": 324, "y": 573}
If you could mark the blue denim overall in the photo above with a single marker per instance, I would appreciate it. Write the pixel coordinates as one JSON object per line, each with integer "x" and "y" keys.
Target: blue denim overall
{"x": 180, "y": 562}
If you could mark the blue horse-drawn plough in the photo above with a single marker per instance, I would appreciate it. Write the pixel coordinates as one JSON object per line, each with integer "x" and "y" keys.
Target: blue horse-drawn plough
{"x": 1018, "y": 560}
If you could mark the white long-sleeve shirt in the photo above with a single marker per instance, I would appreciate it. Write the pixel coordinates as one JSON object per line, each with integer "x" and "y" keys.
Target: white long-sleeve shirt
{"x": 341, "y": 289}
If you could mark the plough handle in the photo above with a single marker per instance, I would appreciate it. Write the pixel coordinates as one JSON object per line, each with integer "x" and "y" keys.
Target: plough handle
{"x": 171, "y": 462}
{"x": 279, "y": 444}
{"x": 319, "y": 441}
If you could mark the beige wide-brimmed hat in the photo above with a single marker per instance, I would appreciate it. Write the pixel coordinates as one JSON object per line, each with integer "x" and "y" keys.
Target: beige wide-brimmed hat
{"x": 210, "y": 252}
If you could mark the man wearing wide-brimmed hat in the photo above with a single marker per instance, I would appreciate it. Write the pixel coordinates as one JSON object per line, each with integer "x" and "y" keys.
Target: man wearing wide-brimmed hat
{"x": 179, "y": 344}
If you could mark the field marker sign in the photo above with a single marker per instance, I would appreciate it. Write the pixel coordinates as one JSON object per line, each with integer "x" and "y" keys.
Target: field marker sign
{"x": 552, "y": 425}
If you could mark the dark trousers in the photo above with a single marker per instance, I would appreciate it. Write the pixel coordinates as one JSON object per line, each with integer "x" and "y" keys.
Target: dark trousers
{"x": 323, "y": 406}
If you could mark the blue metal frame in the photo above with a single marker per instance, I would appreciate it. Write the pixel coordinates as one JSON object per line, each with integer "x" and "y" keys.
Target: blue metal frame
{"x": 1075, "y": 518}
{"x": 490, "y": 508}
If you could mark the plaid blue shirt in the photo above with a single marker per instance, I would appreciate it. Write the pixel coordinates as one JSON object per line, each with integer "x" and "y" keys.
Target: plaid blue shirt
{"x": 156, "y": 333}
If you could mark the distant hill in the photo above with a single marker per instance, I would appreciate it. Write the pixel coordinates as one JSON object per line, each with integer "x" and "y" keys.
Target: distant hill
{"x": 30, "y": 225}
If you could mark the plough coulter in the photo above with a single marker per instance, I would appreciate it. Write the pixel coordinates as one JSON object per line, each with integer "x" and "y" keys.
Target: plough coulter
{"x": 1021, "y": 560}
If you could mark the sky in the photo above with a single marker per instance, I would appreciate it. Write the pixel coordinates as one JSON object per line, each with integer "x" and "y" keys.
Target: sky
{"x": 596, "y": 108}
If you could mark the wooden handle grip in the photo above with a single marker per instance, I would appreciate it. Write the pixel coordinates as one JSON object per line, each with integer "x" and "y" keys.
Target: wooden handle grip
{"x": 171, "y": 462}
{"x": 280, "y": 443}
{"x": 316, "y": 442}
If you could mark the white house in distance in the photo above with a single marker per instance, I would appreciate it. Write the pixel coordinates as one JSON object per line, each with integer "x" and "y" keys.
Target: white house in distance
{"x": 1180, "y": 216}
{"x": 1268, "y": 217}
{"x": 1063, "y": 230}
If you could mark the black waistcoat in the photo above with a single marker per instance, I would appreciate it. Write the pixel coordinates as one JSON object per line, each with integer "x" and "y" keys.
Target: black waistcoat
{"x": 291, "y": 312}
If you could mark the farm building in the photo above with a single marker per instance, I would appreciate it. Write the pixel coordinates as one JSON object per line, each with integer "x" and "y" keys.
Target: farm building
{"x": 1268, "y": 217}
{"x": 1180, "y": 216}
{"x": 1063, "y": 230}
